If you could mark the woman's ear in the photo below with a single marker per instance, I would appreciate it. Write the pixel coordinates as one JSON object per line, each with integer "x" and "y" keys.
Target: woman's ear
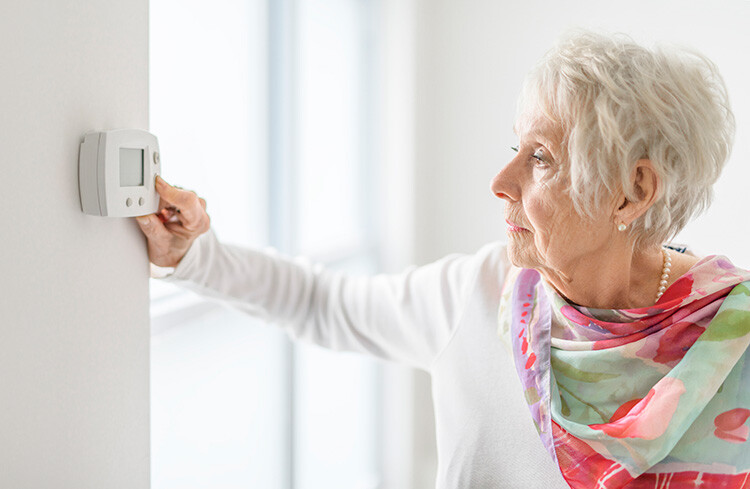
{"x": 645, "y": 186}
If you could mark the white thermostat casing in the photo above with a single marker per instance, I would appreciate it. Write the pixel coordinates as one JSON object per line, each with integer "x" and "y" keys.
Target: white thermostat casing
{"x": 116, "y": 173}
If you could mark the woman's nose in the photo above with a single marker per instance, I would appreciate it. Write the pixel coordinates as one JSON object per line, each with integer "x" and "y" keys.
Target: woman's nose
{"x": 504, "y": 186}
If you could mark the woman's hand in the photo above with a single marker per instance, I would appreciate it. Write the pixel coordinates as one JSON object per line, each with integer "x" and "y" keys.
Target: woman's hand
{"x": 181, "y": 218}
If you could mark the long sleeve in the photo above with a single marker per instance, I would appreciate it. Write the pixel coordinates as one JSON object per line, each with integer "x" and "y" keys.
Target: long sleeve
{"x": 408, "y": 317}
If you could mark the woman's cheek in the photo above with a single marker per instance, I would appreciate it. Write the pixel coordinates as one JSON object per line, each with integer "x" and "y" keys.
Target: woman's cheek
{"x": 538, "y": 214}
{"x": 550, "y": 228}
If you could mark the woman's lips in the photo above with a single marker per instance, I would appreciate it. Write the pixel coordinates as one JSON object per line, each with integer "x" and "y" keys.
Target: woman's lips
{"x": 513, "y": 228}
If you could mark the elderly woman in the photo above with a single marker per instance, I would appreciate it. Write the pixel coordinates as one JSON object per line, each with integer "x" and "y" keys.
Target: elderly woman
{"x": 630, "y": 353}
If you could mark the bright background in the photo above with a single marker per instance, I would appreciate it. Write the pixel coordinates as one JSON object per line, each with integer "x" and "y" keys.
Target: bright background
{"x": 363, "y": 133}
{"x": 266, "y": 110}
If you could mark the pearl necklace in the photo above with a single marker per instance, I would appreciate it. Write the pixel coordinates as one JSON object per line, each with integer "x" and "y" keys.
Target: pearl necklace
{"x": 664, "y": 274}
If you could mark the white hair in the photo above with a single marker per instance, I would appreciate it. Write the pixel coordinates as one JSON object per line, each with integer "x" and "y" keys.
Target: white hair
{"x": 618, "y": 102}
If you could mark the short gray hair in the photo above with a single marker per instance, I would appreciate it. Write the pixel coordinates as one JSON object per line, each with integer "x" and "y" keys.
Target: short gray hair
{"x": 618, "y": 102}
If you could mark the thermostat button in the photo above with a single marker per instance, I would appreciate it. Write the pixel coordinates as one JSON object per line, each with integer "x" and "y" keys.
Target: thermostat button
{"x": 129, "y": 202}
{"x": 156, "y": 157}
{"x": 141, "y": 201}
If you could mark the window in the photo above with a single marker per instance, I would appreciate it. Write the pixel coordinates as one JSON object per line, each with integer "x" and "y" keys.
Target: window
{"x": 264, "y": 108}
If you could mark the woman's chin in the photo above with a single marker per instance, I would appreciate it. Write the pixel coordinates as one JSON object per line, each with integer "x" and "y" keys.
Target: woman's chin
{"x": 519, "y": 255}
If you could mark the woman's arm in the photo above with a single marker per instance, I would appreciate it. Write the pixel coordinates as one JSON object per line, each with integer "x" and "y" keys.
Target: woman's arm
{"x": 408, "y": 317}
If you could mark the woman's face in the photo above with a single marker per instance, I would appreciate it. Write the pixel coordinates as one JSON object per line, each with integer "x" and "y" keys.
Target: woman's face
{"x": 544, "y": 230}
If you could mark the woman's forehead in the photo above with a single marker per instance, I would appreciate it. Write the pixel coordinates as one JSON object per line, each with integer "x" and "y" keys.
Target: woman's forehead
{"x": 533, "y": 124}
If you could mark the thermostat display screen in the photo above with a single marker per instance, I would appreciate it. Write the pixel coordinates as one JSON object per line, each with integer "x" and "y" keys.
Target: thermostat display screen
{"x": 131, "y": 167}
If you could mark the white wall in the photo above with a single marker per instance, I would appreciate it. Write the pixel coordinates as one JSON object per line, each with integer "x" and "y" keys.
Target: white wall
{"x": 74, "y": 331}
{"x": 471, "y": 57}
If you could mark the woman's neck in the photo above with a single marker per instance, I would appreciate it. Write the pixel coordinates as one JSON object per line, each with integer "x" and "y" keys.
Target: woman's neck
{"x": 617, "y": 278}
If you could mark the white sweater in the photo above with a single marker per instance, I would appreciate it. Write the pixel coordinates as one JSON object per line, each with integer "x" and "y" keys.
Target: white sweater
{"x": 440, "y": 317}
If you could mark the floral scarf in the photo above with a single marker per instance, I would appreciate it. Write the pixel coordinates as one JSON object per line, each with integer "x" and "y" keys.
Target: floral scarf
{"x": 656, "y": 397}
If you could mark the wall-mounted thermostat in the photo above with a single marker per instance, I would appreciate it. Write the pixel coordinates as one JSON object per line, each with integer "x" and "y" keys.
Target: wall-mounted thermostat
{"x": 116, "y": 172}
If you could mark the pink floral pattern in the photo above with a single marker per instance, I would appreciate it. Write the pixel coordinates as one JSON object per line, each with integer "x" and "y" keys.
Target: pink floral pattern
{"x": 676, "y": 341}
{"x": 649, "y": 417}
{"x": 731, "y": 427}
{"x": 639, "y": 398}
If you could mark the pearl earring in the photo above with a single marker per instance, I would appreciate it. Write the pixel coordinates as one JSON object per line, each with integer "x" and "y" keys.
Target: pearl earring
{"x": 622, "y": 227}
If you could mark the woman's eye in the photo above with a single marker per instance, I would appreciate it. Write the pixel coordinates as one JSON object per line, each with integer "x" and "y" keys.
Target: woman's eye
{"x": 539, "y": 155}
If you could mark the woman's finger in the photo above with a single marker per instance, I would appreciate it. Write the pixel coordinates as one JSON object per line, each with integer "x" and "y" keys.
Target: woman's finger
{"x": 191, "y": 211}
{"x": 153, "y": 228}
{"x": 169, "y": 214}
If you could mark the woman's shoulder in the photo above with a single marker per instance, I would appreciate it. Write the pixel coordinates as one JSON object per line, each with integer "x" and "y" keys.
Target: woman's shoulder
{"x": 493, "y": 258}
{"x": 490, "y": 265}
